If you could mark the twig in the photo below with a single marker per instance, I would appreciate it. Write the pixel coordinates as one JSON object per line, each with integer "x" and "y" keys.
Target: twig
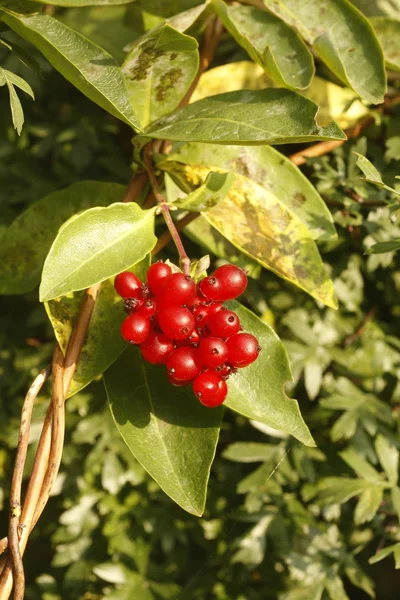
{"x": 135, "y": 186}
{"x": 360, "y": 330}
{"x": 183, "y": 257}
{"x": 16, "y": 485}
{"x": 166, "y": 237}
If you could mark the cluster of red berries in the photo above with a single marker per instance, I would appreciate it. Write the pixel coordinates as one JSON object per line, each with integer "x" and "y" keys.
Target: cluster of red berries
{"x": 186, "y": 327}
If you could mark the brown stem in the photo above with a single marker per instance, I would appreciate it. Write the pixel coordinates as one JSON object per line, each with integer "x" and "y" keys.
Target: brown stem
{"x": 16, "y": 485}
{"x": 360, "y": 330}
{"x": 166, "y": 237}
{"x": 183, "y": 257}
{"x": 135, "y": 186}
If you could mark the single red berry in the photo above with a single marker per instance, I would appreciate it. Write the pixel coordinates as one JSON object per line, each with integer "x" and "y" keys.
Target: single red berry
{"x": 200, "y": 313}
{"x": 135, "y": 328}
{"x": 223, "y": 323}
{"x": 210, "y": 388}
{"x": 183, "y": 364}
{"x": 175, "y": 382}
{"x": 232, "y": 279}
{"x": 243, "y": 349}
{"x": 148, "y": 308}
{"x": 179, "y": 289}
{"x": 156, "y": 276}
{"x": 131, "y": 305}
{"x": 177, "y": 322}
{"x": 197, "y": 299}
{"x": 156, "y": 348}
{"x": 128, "y": 285}
{"x": 213, "y": 352}
{"x": 213, "y": 308}
{"x": 211, "y": 288}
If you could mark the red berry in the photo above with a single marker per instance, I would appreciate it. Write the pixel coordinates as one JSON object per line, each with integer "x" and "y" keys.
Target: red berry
{"x": 176, "y": 322}
{"x": 209, "y": 388}
{"x": 226, "y": 370}
{"x": 148, "y": 308}
{"x": 200, "y": 313}
{"x": 156, "y": 276}
{"x": 224, "y": 323}
{"x": 183, "y": 364}
{"x": 243, "y": 349}
{"x": 211, "y": 288}
{"x": 193, "y": 340}
{"x": 156, "y": 348}
{"x": 128, "y": 285}
{"x": 175, "y": 382}
{"x": 179, "y": 289}
{"x": 213, "y": 352}
{"x": 233, "y": 281}
{"x": 135, "y": 328}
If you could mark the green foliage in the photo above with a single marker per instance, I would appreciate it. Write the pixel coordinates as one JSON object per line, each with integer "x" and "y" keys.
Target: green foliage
{"x": 270, "y": 497}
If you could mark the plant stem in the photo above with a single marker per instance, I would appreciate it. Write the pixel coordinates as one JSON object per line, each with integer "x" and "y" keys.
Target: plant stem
{"x": 183, "y": 257}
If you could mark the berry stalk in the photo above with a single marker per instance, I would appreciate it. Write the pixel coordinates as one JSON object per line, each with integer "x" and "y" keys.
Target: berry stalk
{"x": 184, "y": 260}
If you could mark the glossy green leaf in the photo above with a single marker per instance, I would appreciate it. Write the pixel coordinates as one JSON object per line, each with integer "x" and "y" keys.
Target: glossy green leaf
{"x": 382, "y": 247}
{"x": 254, "y": 220}
{"x": 87, "y": 66}
{"x": 271, "y": 116}
{"x": 343, "y": 38}
{"x": 388, "y": 34}
{"x": 27, "y": 241}
{"x": 96, "y": 245}
{"x": 188, "y": 18}
{"x": 272, "y": 44}
{"x": 372, "y": 174}
{"x": 103, "y": 344}
{"x": 169, "y": 432}
{"x": 19, "y": 7}
{"x": 273, "y": 171}
{"x": 249, "y": 452}
{"x": 214, "y": 189}
{"x": 159, "y": 70}
{"x": 257, "y": 392}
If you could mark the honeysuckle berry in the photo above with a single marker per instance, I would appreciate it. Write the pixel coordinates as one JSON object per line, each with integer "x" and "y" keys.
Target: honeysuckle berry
{"x": 213, "y": 352}
{"x": 211, "y": 288}
{"x": 243, "y": 349}
{"x": 177, "y": 322}
{"x": 233, "y": 281}
{"x": 148, "y": 308}
{"x": 136, "y": 328}
{"x": 156, "y": 276}
{"x": 179, "y": 289}
{"x": 128, "y": 285}
{"x": 210, "y": 388}
{"x": 183, "y": 364}
{"x": 156, "y": 349}
{"x": 223, "y": 323}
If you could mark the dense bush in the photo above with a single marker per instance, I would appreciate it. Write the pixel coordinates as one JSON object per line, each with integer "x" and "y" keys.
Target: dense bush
{"x": 283, "y": 519}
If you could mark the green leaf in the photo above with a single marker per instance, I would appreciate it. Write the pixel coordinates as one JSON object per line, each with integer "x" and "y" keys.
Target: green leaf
{"x": 19, "y": 7}
{"x": 382, "y": 247}
{"x": 159, "y": 70}
{"x": 358, "y": 577}
{"x": 257, "y": 391}
{"x": 87, "y": 66}
{"x": 360, "y": 465}
{"x": 271, "y": 170}
{"x": 103, "y": 343}
{"x": 214, "y": 189}
{"x": 95, "y": 245}
{"x": 372, "y": 174}
{"x": 388, "y": 34}
{"x": 169, "y": 432}
{"x": 254, "y": 220}
{"x": 272, "y": 44}
{"x": 271, "y": 116}
{"x": 337, "y": 490}
{"x": 371, "y": 8}
{"x": 368, "y": 505}
{"x": 394, "y": 548}
{"x": 11, "y": 80}
{"x": 249, "y": 452}
{"x": 388, "y": 456}
{"x": 344, "y": 40}
{"x": 26, "y": 242}
{"x": 395, "y": 497}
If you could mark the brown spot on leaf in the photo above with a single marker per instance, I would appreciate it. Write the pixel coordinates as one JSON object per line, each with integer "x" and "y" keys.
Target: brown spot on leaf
{"x": 146, "y": 59}
{"x": 167, "y": 81}
{"x": 298, "y": 199}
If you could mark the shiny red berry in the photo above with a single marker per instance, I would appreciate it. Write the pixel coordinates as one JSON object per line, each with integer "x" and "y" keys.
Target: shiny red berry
{"x": 213, "y": 352}
{"x": 243, "y": 349}
{"x": 156, "y": 276}
{"x": 193, "y": 340}
{"x": 148, "y": 308}
{"x": 233, "y": 281}
{"x": 175, "y": 382}
{"x": 183, "y": 364}
{"x": 156, "y": 348}
{"x": 210, "y": 388}
{"x": 211, "y": 288}
{"x": 177, "y": 322}
{"x": 128, "y": 285}
{"x": 179, "y": 289}
{"x": 135, "y": 328}
{"x": 223, "y": 323}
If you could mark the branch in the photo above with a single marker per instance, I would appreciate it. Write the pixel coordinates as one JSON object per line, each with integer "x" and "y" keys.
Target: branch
{"x": 183, "y": 257}
{"x": 166, "y": 237}
{"x": 135, "y": 186}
